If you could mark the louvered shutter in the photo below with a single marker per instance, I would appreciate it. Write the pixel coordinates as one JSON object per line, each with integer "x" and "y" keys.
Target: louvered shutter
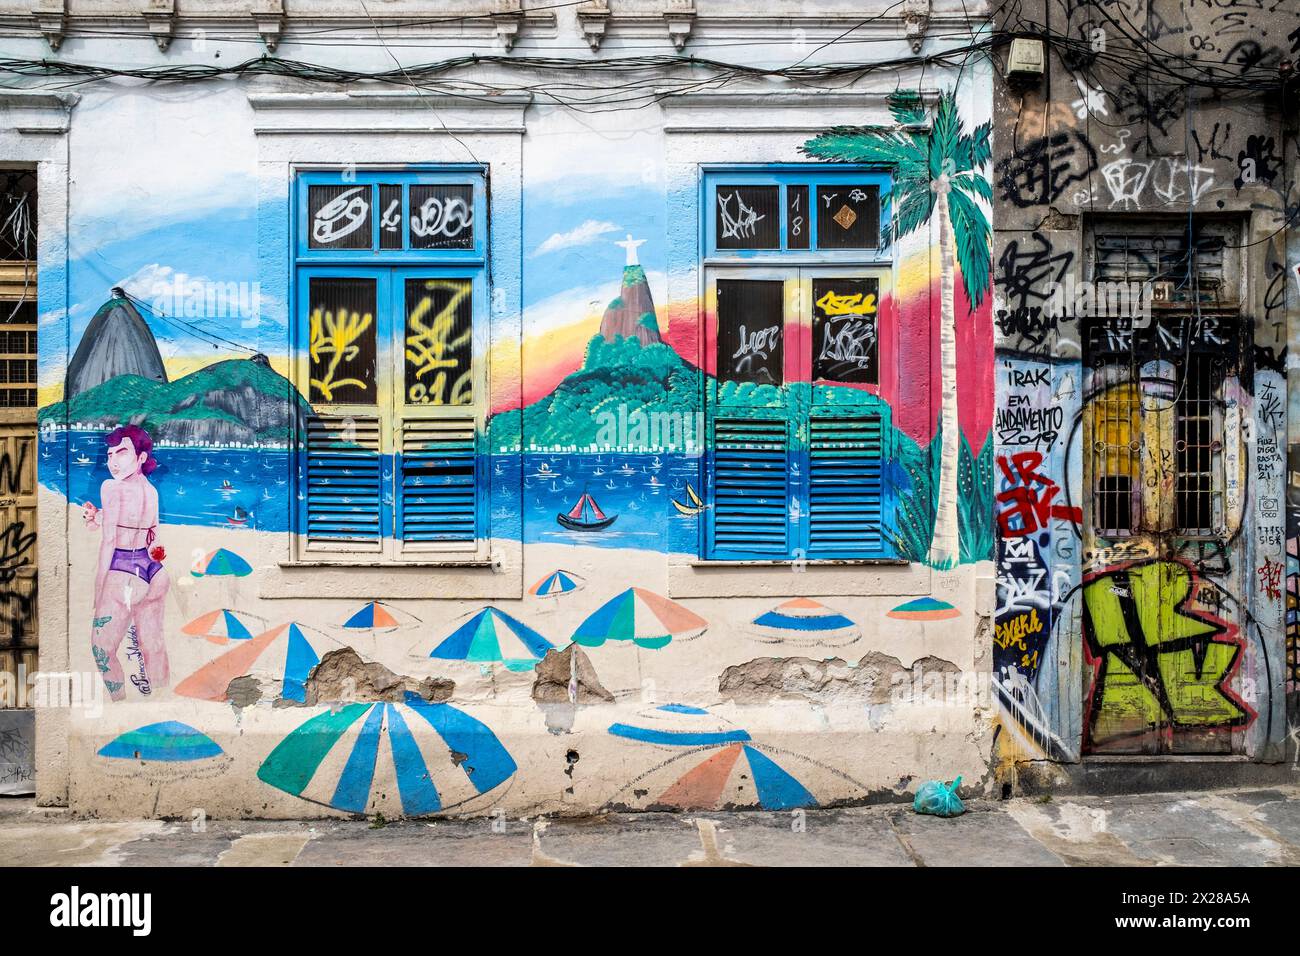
{"x": 750, "y": 482}
{"x": 844, "y": 486}
{"x": 438, "y": 497}
{"x": 344, "y": 485}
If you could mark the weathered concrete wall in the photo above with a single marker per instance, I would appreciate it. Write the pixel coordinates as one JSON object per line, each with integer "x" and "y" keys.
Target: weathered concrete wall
{"x": 1091, "y": 387}
{"x": 256, "y": 683}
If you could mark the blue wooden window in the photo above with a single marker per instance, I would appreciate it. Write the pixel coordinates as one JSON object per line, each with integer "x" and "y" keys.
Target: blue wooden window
{"x": 391, "y": 341}
{"x": 798, "y": 439}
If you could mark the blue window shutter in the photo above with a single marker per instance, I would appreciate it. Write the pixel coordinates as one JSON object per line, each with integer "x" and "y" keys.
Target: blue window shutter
{"x": 750, "y": 486}
{"x": 438, "y": 500}
{"x": 343, "y": 496}
{"x": 844, "y": 486}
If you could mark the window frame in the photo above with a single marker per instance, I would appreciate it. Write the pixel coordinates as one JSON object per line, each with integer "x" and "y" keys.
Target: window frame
{"x": 797, "y": 268}
{"x": 391, "y": 268}
{"x": 1152, "y": 511}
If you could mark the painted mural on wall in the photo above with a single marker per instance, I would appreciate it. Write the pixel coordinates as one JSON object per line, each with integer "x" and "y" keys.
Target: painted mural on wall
{"x": 176, "y": 433}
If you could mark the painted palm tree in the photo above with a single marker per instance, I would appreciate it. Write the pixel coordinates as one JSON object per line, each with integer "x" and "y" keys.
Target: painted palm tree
{"x": 940, "y": 171}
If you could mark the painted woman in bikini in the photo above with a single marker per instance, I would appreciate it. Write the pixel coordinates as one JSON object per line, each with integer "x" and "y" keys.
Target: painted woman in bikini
{"x": 131, "y": 583}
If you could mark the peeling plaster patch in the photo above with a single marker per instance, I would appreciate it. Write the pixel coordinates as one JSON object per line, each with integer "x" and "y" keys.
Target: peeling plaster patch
{"x": 872, "y": 680}
{"x": 243, "y": 692}
{"x": 554, "y": 672}
{"x": 343, "y": 675}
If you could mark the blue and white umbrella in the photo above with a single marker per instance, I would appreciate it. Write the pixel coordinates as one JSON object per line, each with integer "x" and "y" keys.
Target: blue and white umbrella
{"x": 359, "y": 757}
{"x": 493, "y": 636}
{"x": 556, "y": 584}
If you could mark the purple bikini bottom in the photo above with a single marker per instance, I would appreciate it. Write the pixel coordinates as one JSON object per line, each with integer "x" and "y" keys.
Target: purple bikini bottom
{"x": 135, "y": 562}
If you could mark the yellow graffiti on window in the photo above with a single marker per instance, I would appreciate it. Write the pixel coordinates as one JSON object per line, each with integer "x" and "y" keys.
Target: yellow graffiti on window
{"x": 432, "y": 347}
{"x": 333, "y": 336}
{"x": 859, "y": 303}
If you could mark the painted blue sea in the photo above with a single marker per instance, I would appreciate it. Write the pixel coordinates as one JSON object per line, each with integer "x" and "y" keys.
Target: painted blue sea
{"x": 254, "y": 488}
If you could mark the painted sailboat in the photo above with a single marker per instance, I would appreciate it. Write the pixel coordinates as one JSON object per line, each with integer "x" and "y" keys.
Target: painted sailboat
{"x": 585, "y": 516}
{"x": 694, "y": 507}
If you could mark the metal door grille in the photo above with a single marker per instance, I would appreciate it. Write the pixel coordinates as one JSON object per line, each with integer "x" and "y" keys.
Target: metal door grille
{"x": 18, "y": 441}
{"x": 1197, "y": 488}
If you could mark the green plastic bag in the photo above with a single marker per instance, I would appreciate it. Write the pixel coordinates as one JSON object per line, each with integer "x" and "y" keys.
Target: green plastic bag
{"x": 939, "y": 798}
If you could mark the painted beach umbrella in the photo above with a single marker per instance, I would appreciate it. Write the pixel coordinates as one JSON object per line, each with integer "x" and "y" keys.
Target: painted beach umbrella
{"x": 377, "y": 616}
{"x": 223, "y": 626}
{"x": 803, "y": 620}
{"x": 556, "y": 583}
{"x": 221, "y": 563}
{"x": 286, "y": 652}
{"x": 170, "y": 741}
{"x": 491, "y": 636}
{"x": 719, "y": 764}
{"x": 924, "y": 609}
{"x": 432, "y": 757}
{"x": 642, "y": 617}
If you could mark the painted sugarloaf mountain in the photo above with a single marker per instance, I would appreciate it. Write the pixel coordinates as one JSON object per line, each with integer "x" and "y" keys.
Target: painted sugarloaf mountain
{"x": 117, "y": 377}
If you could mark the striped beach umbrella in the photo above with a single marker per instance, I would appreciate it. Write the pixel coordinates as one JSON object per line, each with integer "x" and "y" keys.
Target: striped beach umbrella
{"x": 804, "y": 621}
{"x": 556, "y": 583}
{"x": 170, "y": 741}
{"x": 924, "y": 609}
{"x": 492, "y": 636}
{"x": 718, "y": 765}
{"x": 221, "y": 563}
{"x": 286, "y": 653}
{"x": 358, "y": 757}
{"x": 223, "y": 626}
{"x": 642, "y": 617}
{"x": 374, "y": 616}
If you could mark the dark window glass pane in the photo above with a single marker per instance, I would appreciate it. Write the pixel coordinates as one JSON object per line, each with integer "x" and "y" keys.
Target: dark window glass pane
{"x": 848, "y": 217}
{"x": 18, "y": 215}
{"x": 341, "y": 349}
{"x": 748, "y": 217}
{"x": 844, "y": 330}
{"x": 442, "y": 217}
{"x": 751, "y": 316}
{"x": 1113, "y": 507}
{"x": 796, "y": 217}
{"x": 390, "y": 217}
{"x": 338, "y": 217}
{"x": 439, "y": 342}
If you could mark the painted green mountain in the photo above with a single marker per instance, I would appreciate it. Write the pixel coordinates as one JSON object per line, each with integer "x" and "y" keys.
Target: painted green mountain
{"x": 237, "y": 400}
{"x": 620, "y": 381}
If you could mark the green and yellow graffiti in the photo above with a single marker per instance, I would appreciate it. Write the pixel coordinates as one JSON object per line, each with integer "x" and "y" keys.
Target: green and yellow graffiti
{"x": 1160, "y": 663}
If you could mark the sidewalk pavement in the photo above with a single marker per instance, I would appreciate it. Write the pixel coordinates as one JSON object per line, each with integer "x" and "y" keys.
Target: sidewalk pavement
{"x": 1239, "y": 827}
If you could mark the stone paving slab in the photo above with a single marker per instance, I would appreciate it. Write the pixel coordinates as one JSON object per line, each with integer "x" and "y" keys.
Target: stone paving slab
{"x": 450, "y": 843}
{"x": 979, "y": 837}
{"x": 830, "y": 838}
{"x": 1182, "y": 833}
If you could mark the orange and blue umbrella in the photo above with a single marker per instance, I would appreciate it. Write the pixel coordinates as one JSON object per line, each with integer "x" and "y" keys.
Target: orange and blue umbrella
{"x": 924, "y": 609}
{"x": 804, "y": 621}
{"x": 431, "y": 756}
{"x": 642, "y": 617}
{"x": 555, "y": 584}
{"x": 374, "y": 616}
{"x": 284, "y": 653}
{"x": 735, "y": 770}
{"x": 492, "y": 636}
{"x": 223, "y": 626}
